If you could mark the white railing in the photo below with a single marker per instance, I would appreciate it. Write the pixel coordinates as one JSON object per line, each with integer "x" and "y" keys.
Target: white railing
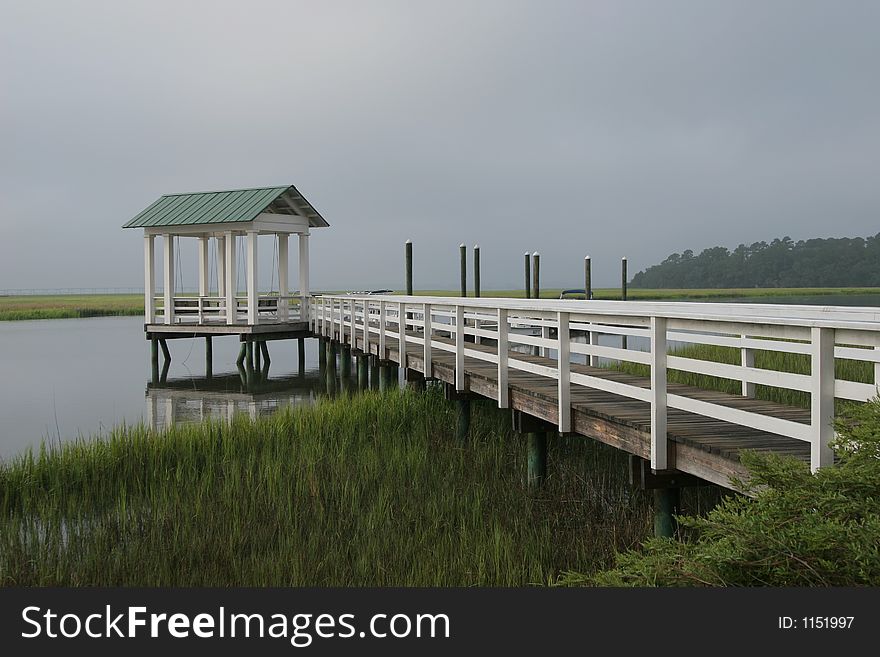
{"x": 444, "y": 324}
{"x": 212, "y": 309}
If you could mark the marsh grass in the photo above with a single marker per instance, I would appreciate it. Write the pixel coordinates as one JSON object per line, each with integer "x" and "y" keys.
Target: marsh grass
{"x": 365, "y": 490}
{"x": 14, "y": 308}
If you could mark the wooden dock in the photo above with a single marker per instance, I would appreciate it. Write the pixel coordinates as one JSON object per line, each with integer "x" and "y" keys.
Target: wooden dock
{"x": 676, "y": 428}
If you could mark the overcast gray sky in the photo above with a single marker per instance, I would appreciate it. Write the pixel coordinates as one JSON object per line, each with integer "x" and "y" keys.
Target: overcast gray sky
{"x": 603, "y": 128}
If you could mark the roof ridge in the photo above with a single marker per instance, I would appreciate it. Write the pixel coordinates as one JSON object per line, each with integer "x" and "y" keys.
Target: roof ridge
{"x": 223, "y": 191}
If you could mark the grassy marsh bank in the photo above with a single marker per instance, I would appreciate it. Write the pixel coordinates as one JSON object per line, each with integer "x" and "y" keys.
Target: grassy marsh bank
{"x": 367, "y": 490}
{"x": 98, "y": 305}
{"x": 65, "y": 306}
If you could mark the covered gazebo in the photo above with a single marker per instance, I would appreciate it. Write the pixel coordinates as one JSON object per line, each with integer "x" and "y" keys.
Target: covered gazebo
{"x": 225, "y": 216}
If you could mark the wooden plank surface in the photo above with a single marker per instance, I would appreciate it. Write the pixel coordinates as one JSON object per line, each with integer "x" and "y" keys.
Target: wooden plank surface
{"x": 702, "y": 446}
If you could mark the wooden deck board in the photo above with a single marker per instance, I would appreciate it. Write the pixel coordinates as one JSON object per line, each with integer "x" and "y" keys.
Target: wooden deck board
{"x": 698, "y": 445}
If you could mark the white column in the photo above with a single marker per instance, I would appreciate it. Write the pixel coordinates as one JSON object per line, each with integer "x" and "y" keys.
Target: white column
{"x": 203, "y": 266}
{"x": 231, "y": 311}
{"x": 304, "y": 269}
{"x": 658, "y": 394}
{"x": 149, "y": 278}
{"x": 821, "y": 397}
{"x": 169, "y": 278}
{"x": 221, "y": 266}
{"x": 283, "y": 286}
{"x": 252, "y": 277}
{"x": 564, "y": 373}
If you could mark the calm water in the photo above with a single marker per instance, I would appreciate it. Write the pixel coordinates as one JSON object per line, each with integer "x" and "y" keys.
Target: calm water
{"x": 62, "y": 379}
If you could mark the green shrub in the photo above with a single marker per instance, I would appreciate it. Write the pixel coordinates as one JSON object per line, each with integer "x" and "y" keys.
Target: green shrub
{"x": 800, "y": 529}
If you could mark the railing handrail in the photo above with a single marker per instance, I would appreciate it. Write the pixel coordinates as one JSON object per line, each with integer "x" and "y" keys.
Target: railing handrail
{"x": 861, "y": 318}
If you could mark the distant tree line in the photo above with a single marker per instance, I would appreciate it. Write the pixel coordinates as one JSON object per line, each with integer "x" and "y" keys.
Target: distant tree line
{"x": 832, "y": 262}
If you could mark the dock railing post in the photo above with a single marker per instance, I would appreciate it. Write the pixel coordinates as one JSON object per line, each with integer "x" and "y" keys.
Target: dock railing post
{"x": 528, "y": 268}
{"x": 429, "y": 370}
{"x": 658, "y": 393}
{"x": 821, "y": 397}
{"x": 503, "y": 381}
{"x": 401, "y": 341}
{"x": 459, "y": 348}
{"x": 408, "y": 256}
{"x": 367, "y": 326}
{"x": 623, "y": 338}
{"x": 747, "y": 359}
{"x": 382, "y": 355}
{"x": 149, "y": 279}
{"x": 564, "y": 366}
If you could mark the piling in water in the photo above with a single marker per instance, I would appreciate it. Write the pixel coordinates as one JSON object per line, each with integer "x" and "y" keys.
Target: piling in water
{"x": 409, "y": 266}
{"x": 537, "y": 459}
{"x": 476, "y": 270}
{"x": 536, "y": 275}
{"x": 209, "y": 357}
{"x": 462, "y": 258}
{"x": 588, "y": 278}
{"x": 528, "y": 288}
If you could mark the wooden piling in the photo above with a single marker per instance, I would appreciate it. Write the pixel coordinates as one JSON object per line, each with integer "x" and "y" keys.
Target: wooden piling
{"x": 258, "y": 364}
{"x": 249, "y": 358}
{"x": 264, "y": 349}
{"x": 536, "y": 275}
{"x": 537, "y": 459}
{"x": 209, "y": 357}
{"x": 588, "y": 278}
{"x": 154, "y": 359}
{"x": 623, "y": 340}
{"x": 374, "y": 372}
{"x": 384, "y": 376}
{"x": 477, "y": 270}
{"x": 242, "y": 354}
{"x": 165, "y": 353}
{"x": 301, "y": 355}
{"x": 408, "y": 256}
{"x": 528, "y": 274}
{"x": 345, "y": 361}
{"x": 462, "y": 258}
{"x": 363, "y": 371}
{"x": 666, "y": 505}
{"x": 463, "y": 420}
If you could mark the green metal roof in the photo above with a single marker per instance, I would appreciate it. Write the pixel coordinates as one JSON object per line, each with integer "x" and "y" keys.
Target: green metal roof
{"x": 226, "y": 206}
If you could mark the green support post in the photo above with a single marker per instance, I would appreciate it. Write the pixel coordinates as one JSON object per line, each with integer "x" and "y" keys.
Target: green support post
{"x": 537, "y": 459}
{"x": 462, "y": 258}
{"x": 330, "y": 374}
{"x": 209, "y": 357}
{"x": 463, "y": 420}
{"x": 301, "y": 355}
{"x": 249, "y": 359}
{"x": 528, "y": 268}
{"x": 409, "y": 266}
{"x": 623, "y": 340}
{"x": 258, "y": 364}
{"x": 154, "y": 360}
{"x": 363, "y": 368}
{"x": 264, "y": 349}
{"x": 242, "y": 354}
{"x": 477, "y": 270}
{"x": 536, "y": 275}
{"x": 165, "y": 353}
{"x": 666, "y": 505}
{"x": 345, "y": 362}
{"x": 374, "y": 372}
{"x": 588, "y": 278}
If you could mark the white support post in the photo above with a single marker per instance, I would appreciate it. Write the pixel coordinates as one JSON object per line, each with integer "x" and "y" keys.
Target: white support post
{"x": 747, "y": 359}
{"x": 304, "y": 267}
{"x": 564, "y": 366}
{"x": 429, "y": 366}
{"x": 459, "y": 348}
{"x": 545, "y": 333}
{"x": 252, "y": 269}
{"x": 366, "y": 326}
{"x": 168, "y": 312}
{"x": 353, "y": 327}
{"x": 401, "y": 332}
{"x": 503, "y": 347}
{"x": 343, "y": 304}
{"x": 149, "y": 279}
{"x": 283, "y": 284}
{"x": 221, "y": 266}
{"x": 594, "y": 340}
{"x": 821, "y": 397}
{"x": 659, "y": 457}
{"x": 203, "y": 265}
{"x": 323, "y": 316}
{"x": 231, "y": 303}
{"x": 382, "y": 330}
{"x": 877, "y": 373}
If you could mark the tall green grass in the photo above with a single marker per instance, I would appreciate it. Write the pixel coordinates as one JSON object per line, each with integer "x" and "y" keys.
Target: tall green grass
{"x": 367, "y": 490}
